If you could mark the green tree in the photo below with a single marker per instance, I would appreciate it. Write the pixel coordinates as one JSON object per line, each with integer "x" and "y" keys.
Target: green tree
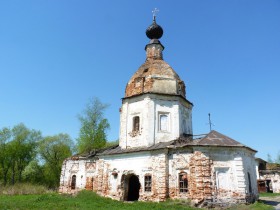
{"x": 34, "y": 173}
{"x": 5, "y": 157}
{"x": 93, "y": 127}
{"x": 272, "y": 160}
{"x": 269, "y": 159}
{"x": 17, "y": 149}
{"x": 24, "y": 143}
{"x": 277, "y": 160}
{"x": 53, "y": 151}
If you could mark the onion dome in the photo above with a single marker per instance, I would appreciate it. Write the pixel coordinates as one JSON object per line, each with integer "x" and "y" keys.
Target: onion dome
{"x": 154, "y": 31}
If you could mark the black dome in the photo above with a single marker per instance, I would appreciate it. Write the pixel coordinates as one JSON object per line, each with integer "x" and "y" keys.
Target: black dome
{"x": 154, "y": 31}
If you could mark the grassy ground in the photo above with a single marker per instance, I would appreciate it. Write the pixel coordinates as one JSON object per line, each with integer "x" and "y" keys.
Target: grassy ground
{"x": 269, "y": 194}
{"x": 255, "y": 206}
{"x": 84, "y": 200}
{"x": 89, "y": 200}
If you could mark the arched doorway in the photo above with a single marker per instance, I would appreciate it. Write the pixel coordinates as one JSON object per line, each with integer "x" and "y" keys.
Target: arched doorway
{"x": 133, "y": 188}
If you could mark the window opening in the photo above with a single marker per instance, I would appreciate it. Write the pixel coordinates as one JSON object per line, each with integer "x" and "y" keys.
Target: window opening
{"x": 163, "y": 125}
{"x": 148, "y": 183}
{"x": 183, "y": 182}
{"x": 136, "y": 123}
{"x": 73, "y": 182}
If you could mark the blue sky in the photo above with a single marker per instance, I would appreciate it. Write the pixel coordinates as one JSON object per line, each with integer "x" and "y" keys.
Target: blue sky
{"x": 56, "y": 55}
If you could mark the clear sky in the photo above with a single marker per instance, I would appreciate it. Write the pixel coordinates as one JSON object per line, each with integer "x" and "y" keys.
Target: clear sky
{"x": 55, "y": 55}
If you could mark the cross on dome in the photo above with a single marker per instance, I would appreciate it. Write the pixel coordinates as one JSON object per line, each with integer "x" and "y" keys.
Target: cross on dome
{"x": 155, "y": 11}
{"x": 154, "y": 31}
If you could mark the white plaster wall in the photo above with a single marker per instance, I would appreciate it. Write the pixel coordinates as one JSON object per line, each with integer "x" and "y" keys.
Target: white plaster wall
{"x": 136, "y": 162}
{"x": 275, "y": 180}
{"x": 185, "y": 120}
{"x": 257, "y": 169}
{"x": 149, "y": 107}
{"x": 250, "y": 167}
{"x": 130, "y": 163}
{"x": 142, "y": 107}
{"x": 239, "y": 161}
{"x": 225, "y": 160}
{"x": 74, "y": 167}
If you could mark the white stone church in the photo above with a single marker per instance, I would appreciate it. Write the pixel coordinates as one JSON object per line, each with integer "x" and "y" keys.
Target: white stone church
{"x": 158, "y": 157}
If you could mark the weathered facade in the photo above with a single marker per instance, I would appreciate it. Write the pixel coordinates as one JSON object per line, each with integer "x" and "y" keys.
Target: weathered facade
{"x": 158, "y": 157}
{"x": 268, "y": 176}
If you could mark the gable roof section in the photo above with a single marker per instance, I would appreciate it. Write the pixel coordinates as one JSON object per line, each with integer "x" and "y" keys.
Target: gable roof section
{"x": 215, "y": 138}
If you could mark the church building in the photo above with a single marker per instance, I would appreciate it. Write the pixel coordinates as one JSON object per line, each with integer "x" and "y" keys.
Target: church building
{"x": 158, "y": 156}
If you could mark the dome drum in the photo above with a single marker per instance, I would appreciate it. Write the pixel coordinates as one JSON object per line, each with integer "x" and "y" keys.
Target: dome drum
{"x": 155, "y": 76}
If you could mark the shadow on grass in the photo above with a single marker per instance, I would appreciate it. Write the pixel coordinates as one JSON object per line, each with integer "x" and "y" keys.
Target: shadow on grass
{"x": 270, "y": 202}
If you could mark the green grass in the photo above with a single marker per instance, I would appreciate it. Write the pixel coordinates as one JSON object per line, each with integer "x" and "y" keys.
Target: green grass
{"x": 256, "y": 206}
{"x": 89, "y": 200}
{"x": 269, "y": 194}
{"x": 84, "y": 200}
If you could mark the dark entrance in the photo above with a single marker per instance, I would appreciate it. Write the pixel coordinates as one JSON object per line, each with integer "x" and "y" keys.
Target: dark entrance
{"x": 133, "y": 188}
{"x": 265, "y": 186}
{"x": 73, "y": 182}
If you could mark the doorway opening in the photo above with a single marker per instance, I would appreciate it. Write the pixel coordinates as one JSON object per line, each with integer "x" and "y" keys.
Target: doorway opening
{"x": 73, "y": 182}
{"x": 132, "y": 186}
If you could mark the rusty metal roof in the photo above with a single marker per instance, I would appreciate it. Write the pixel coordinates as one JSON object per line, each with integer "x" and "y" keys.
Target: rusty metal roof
{"x": 119, "y": 150}
{"x": 215, "y": 138}
{"x": 180, "y": 142}
{"x": 212, "y": 139}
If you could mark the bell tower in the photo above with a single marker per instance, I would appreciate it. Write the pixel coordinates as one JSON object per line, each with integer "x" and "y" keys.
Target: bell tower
{"x": 155, "y": 108}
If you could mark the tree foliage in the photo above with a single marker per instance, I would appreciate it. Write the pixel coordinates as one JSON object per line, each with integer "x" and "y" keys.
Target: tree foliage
{"x": 277, "y": 159}
{"x": 5, "y": 148}
{"x": 271, "y": 160}
{"x": 17, "y": 149}
{"x": 25, "y": 156}
{"x": 93, "y": 126}
{"x": 53, "y": 151}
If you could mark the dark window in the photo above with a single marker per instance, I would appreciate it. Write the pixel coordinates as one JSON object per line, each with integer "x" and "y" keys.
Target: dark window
{"x": 136, "y": 123}
{"x": 148, "y": 183}
{"x": 73, "y": 182}
{"x": 183, "y": 182}
{"x": 249, "y": 180}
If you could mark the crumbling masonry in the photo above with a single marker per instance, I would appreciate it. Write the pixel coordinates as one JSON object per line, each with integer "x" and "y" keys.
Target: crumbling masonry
{"x": 158, "y": 157}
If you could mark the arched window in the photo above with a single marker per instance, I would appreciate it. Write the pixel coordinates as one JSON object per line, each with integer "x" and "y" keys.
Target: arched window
{"x": 183, "y": 182}
{"x": 250, "y": 185}
{"x": 73, "y": 182}
{"x": 163, "y": 122}
{"x": 148, "y": 183}
{"x": 136, "y": 123}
